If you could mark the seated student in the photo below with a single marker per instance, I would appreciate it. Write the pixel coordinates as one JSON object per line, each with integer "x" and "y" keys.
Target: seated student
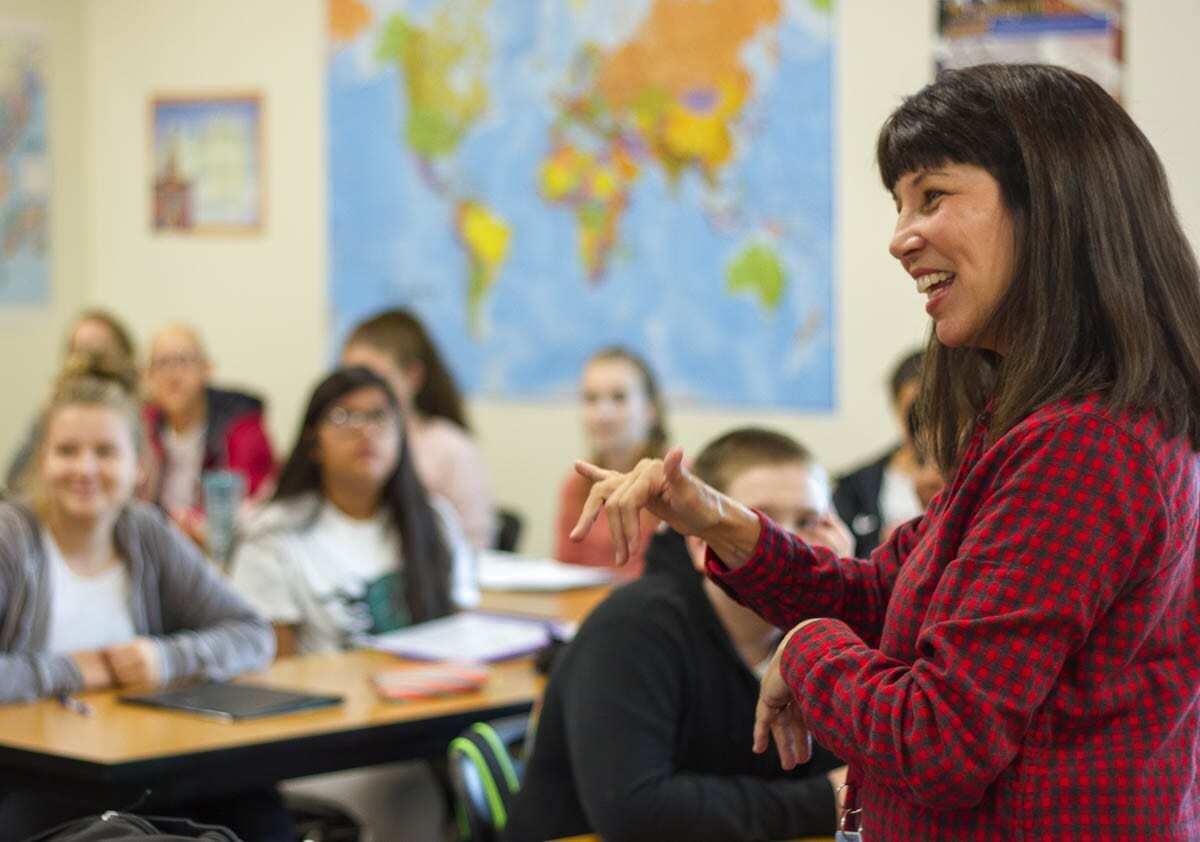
{"x": 92, "y": 331}
{"x": 350, "y": 544}
{"x": 645, "y": 732}
{"x": 194, "y": 428}
{"x": 624, "y": 420}
{"x": 876, "y": 498}
{"x": 97, "y": 590}
{"x": 395, "y": 345}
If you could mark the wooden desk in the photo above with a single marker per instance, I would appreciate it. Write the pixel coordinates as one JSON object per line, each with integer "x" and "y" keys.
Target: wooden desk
{"x": 123, "y": 748}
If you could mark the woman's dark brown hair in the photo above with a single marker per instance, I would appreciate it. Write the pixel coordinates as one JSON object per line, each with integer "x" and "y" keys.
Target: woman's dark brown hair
{"x": 120, "y": 333}
{"x": 426, "y": 567}
{"x": 400, "y": 335}
{"x": 1105, "y": 296}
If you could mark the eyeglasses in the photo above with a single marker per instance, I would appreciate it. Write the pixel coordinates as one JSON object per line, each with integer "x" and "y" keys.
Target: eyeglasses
{"x": 341, "y": 418}
{"x": 168, "y": 361}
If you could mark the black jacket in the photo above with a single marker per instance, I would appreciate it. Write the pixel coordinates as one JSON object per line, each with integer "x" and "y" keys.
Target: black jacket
{"x": 856, "y": 498}
{"x": 646, "y": 728}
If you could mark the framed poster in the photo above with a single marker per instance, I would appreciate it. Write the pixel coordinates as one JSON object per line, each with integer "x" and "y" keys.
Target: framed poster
{"x": 1084, "y": 35}
{"x": 207, "y": 159}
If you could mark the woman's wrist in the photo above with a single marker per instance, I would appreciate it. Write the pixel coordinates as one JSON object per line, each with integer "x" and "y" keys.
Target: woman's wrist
{"x": 734, "y": 535}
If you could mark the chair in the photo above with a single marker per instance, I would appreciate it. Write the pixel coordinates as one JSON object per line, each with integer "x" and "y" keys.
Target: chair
{"x": 485, "y": 774}
{"x": 508, "y": 530}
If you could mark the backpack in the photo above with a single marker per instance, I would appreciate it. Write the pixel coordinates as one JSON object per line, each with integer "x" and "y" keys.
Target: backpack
{"x": 125, "y": 827}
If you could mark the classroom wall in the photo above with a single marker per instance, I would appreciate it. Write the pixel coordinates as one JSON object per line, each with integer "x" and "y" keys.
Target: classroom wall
{"x": 259, "y": 300}
{"x": 30, "y": 337}
{"x": 262, "y": 301}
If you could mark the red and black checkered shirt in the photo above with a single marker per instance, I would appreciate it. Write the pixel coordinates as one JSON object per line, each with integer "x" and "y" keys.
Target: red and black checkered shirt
{"x": 1022, "y": 663}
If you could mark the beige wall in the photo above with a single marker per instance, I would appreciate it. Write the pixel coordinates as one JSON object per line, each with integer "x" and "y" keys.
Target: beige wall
{"x": 262, "y": 301}
{"x": 30, "y": 337}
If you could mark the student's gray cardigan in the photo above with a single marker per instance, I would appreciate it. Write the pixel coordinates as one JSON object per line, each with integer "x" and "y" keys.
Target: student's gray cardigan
{"x": 203, "y": 628}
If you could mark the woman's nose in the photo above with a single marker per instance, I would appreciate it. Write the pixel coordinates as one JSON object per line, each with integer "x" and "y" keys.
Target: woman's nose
{"x": 906, "y": 241}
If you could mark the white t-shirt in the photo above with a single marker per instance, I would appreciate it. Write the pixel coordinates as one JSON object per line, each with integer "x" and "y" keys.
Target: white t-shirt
{"x": 337, "y": 579}
{"x": 86, "y": 612}
{"x": 183, "y": 464}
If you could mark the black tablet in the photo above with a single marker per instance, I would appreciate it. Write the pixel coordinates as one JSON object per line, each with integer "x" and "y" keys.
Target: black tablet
{"x": 230, "y": 702}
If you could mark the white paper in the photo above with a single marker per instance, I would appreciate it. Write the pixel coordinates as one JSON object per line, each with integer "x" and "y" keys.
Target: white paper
{"x": 468, "y": 636}
{"x": 510, "y": 572}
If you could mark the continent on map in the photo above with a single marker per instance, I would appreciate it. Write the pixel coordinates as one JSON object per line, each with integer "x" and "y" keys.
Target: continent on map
{"x": 485, "y": 236}
{"x": 443, "y": 67}
{"x": 597, "y": 187}
{"x": 671, "y": 95}
{"x": 758, "y": 270}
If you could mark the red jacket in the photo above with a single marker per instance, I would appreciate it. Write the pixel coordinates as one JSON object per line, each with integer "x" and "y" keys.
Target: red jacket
{"x": 1022, "y": 663}
{"x": 235, "y": 437}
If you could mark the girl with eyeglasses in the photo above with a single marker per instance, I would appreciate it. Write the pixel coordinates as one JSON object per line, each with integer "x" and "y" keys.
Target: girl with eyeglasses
{"x": 350, "y": 543}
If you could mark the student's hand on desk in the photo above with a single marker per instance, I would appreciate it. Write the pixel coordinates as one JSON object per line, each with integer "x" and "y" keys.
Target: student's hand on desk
{"x": 93, "y": 667}
{"x": 663, "y": 487}
{"x": 777, "y": 716}
{"x": 136, "y": 662}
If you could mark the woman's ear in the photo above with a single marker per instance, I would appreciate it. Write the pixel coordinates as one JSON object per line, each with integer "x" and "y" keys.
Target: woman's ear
{"x": 414, "y": 376}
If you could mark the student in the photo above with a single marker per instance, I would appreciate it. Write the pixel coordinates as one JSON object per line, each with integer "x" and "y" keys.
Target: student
{"x": 876, "y": 498}
{"x": 95, "y": 331}
{"x": 645, "y": 729}
{"x": 100, "y": 591}
{"x": 194, "y": 428}
{"x": 396, "y": 346}
{"x": 1022, "y": 662}
{"x": 624, "y": 420}
{"x": 350, "y": 543}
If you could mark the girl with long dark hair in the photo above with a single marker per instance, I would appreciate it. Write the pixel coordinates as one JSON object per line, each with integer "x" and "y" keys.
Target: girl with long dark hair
{"x": 351, "y": 544}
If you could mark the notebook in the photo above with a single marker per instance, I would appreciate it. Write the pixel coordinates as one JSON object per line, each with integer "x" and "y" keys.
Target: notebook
{"x": 468, "y": 636}
{"x": 428, "y": 682}
{"x": 230, "y": 702}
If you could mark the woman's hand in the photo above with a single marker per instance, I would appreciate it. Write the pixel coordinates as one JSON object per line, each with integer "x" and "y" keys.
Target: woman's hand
{"x": 830, "y": 532}
{"x": 135, "y": 662}
{"x": 777, "y": 715}
{"x": 663, "y": 487}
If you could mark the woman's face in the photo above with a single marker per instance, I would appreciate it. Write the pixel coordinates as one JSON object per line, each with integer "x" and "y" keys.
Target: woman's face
{"x": 955, "y": 237}
{"x": 617, "y": 412}
{"x": 94, "y": 336}
{"x": 358, "y": 440}
{"x": 384, "y": 365}
{"x": 88, "y": 464}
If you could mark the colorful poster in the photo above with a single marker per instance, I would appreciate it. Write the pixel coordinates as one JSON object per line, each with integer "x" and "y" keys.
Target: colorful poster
{"x": 24, "y": 169}
{"x": 540, "y": 178}
{"x": 208, "y": 168}
{"x": 1084, "y": 35}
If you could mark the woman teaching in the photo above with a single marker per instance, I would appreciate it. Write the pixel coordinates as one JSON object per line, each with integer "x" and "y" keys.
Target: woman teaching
{"x": 1022, "y": 661}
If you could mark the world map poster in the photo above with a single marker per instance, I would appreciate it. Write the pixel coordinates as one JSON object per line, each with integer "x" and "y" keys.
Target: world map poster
{"x": 537, "y": 179}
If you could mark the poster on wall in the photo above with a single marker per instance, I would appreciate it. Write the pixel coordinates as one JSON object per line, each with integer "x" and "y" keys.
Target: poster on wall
{"x": 537, "y": 180}
{"x": 207, "y": 164}
{"x": 24, "y": 168}
{"x": 1084, "y": 35}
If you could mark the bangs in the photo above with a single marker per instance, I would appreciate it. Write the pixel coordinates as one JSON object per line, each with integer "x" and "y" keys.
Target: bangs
{"x": 956, "y": 120}
{"x": 913, "y": 139}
